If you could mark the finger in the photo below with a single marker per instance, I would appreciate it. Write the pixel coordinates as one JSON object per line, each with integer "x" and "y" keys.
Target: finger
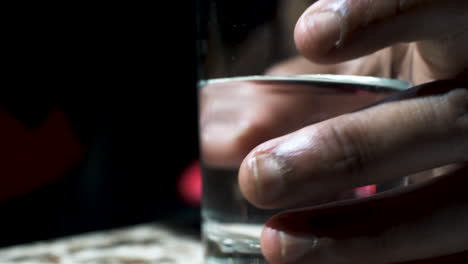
{"x": 233, "y": 119}
{"x": 378, "y": 64}
{"x": 391, "y": 62}
{"x": 420, "y": 222}
{"x": 332, "y": 31}
{"x": 376, "y": 145}
{"x": 236, "y": 116}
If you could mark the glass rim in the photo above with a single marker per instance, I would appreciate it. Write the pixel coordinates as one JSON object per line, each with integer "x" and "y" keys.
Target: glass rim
{"x": 360, "y": 82}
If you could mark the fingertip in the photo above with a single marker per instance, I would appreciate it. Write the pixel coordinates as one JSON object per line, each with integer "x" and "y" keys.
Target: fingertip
{"x": 247, "y": 182}
{"x": 280, "y": 247}
{"x": 271, "y": 245}
{"x": 317, "y": 33}
{"x": 260, "y": 176}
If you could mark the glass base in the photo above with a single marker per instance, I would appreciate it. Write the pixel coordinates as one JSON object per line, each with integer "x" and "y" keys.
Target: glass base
{"x": 232, "y": 243}
{"x": 236, "y": 260}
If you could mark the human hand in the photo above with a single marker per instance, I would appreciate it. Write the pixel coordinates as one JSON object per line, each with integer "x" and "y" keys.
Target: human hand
{"x": 370, "y": 146}
{"x": 381, "y": 143}
{"x": 416, "y": 40}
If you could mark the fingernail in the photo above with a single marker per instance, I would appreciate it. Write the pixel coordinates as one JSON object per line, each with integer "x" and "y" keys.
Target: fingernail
{"x": 328, "y": 26}
{"x": 268, "y": 171}
{"x": 294, "y": 248}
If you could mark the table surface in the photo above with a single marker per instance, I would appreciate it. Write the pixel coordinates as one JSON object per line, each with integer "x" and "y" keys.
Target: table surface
{"x": 142, "y": 244}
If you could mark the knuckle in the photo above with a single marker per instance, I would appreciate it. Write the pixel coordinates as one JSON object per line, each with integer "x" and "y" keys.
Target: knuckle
{"x": 458, "y": 116}
{"x": 458, "y": 102}
{"x": 353, "y": 152}
{"x": 451, "y": 115}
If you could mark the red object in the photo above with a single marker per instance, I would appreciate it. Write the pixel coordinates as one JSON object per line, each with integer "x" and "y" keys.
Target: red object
{"x": 33, "y": 157}
{"x": 365, "y": 191}
{"x": 190, "y": 185}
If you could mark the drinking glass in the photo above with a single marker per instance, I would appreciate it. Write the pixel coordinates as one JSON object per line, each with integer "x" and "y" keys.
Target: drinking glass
{"x": 244, "y": 101}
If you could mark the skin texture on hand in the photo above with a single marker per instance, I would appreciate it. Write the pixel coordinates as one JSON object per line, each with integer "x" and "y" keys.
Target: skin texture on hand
{"x": 400, "y": 226}
{"x": 422, "y": 223}
{"x": 419, "y": 41}
{"x": 361, "y": 146}
{"x": 435, "y": 33}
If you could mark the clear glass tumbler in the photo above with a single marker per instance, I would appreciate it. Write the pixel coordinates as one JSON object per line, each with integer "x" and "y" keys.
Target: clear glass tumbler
{"x": 244, "y": 101}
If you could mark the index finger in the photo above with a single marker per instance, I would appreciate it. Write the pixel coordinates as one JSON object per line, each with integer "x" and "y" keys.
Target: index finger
{"x": 376, "y": 145}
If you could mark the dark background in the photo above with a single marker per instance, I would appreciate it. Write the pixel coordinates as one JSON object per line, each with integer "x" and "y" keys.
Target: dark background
{"x": 125, "y": 74}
